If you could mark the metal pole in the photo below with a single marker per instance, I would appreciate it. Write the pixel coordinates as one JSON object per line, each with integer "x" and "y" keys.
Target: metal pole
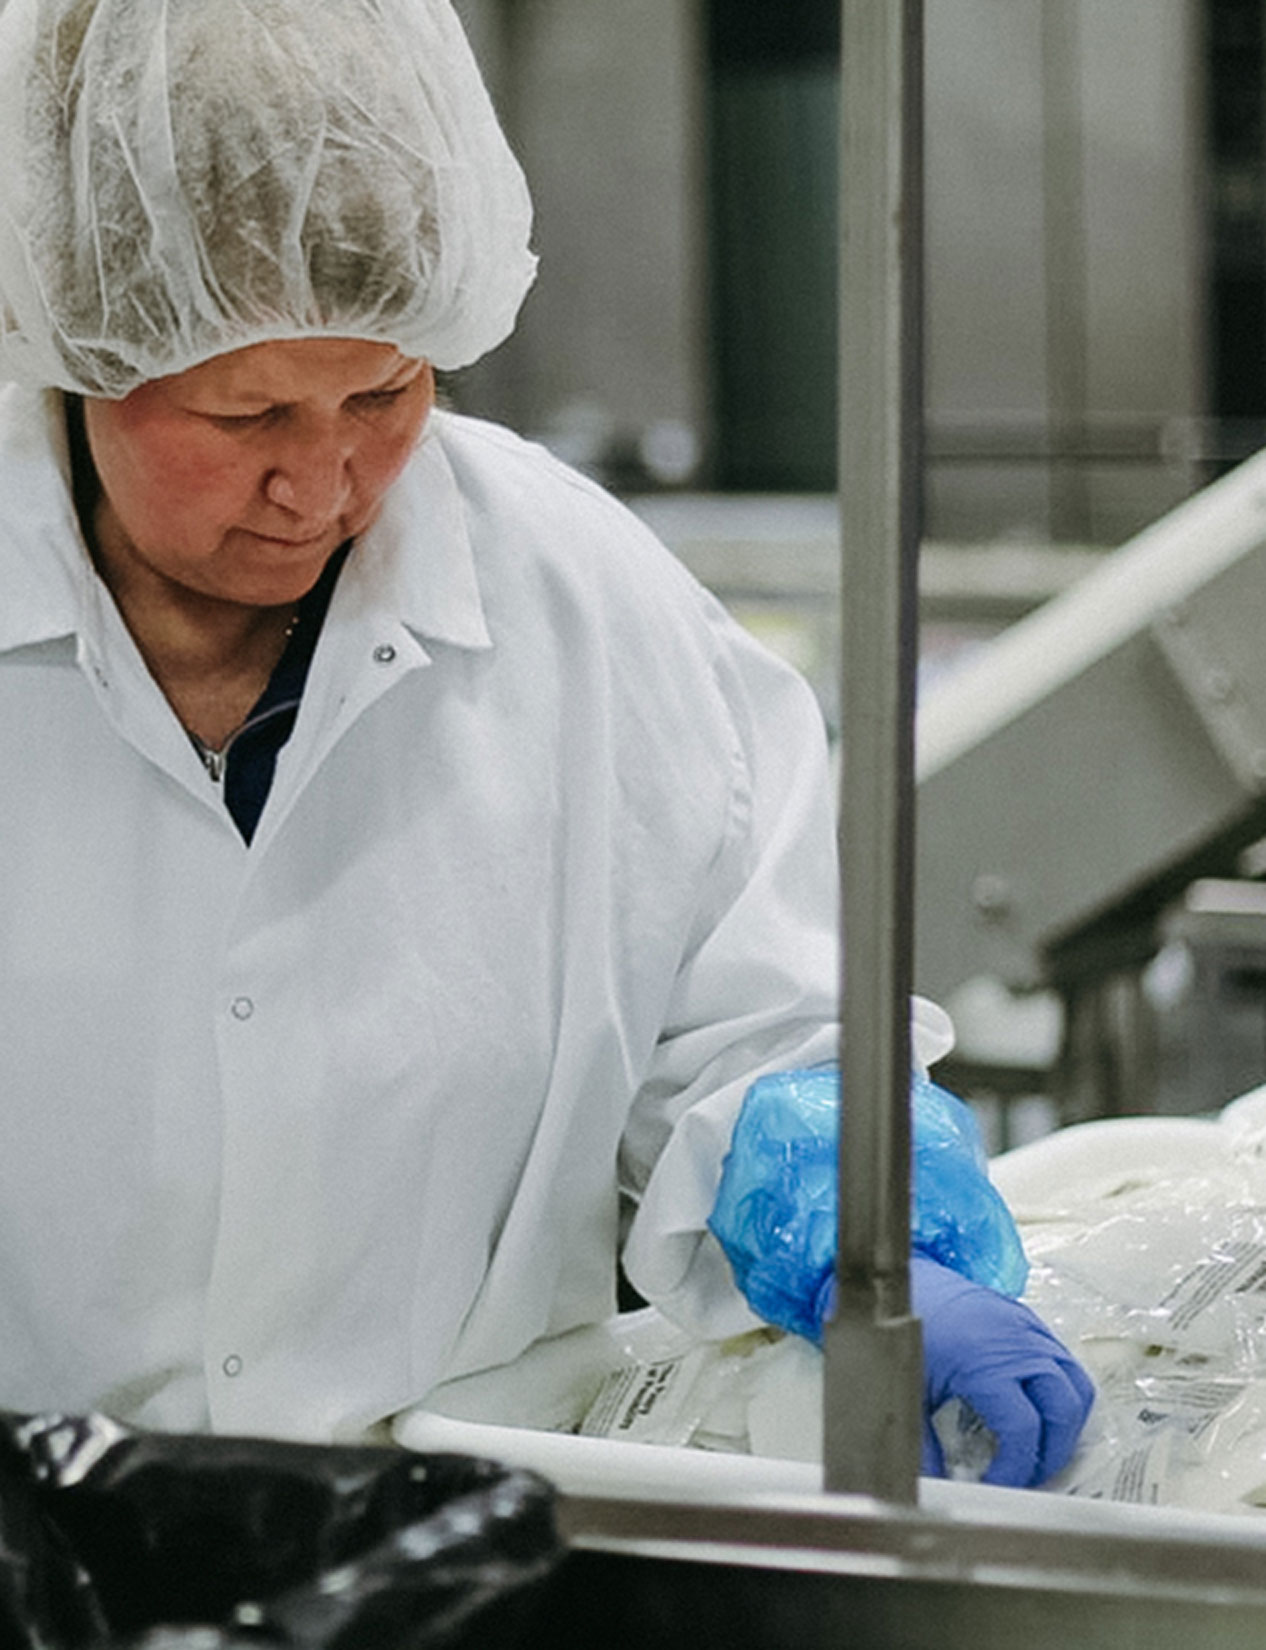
{"x": 874, "y": 1359}
{"x": 1067, "y": 298}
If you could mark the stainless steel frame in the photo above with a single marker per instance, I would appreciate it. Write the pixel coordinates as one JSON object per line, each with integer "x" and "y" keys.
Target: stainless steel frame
{"x": 846, "y": 1573}
{"x": 873, "y": 1345}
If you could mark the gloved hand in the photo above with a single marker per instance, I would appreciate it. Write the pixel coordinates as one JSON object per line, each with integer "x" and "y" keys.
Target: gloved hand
{"x": 775, "y": 1218}
{"x": 1001, "y": 1359}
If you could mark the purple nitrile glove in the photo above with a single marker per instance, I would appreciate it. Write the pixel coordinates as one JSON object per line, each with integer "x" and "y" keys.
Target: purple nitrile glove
{"x": 1002, "y": 1361}
{"x": 996, "y": 1356}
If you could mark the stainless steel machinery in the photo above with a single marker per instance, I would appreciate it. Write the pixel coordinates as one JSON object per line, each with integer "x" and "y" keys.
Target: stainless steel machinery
{"x": 1076, "y": 778}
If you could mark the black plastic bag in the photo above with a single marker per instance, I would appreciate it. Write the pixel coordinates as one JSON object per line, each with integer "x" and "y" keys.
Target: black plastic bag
{"x": 110, "y": 1537}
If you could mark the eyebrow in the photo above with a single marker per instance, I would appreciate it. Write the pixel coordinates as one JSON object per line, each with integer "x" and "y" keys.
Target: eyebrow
{"x": 248, "y": 403}
{"x": 400, "y": 378}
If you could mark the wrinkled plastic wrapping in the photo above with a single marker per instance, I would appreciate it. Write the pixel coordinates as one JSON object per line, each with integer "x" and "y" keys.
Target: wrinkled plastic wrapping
{"x": 179, "y": 178}
{"x": 639, "y": 1379}
{"x": 776, "y": 1210}
{"x": 1148, "y": 1246}
{"x": 113, "y": 1538}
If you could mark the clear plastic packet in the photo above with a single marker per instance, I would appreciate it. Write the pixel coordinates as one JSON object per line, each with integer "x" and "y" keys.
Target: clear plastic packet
{"x": 657, "y": 1392}
{"x": 671, "y": 1389}
{"x": 1150, "y": 1263}
{"x": 1180, "y": 1268}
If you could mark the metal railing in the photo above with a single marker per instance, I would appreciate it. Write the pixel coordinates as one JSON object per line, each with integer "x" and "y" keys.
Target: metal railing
{"x": 873, "y": 1345}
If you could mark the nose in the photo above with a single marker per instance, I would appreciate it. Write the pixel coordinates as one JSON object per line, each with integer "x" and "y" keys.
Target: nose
{"x": 311, "y": 478}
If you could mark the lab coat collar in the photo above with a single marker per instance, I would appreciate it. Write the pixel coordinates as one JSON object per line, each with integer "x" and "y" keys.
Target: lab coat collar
{"x": 44, "y": 566}
{"x": 418, "y": 555}
{"x": 416, "y": 561}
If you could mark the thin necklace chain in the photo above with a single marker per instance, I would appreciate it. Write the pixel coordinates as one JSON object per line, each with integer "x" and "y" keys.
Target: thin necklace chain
{"x": 215, "y": 757}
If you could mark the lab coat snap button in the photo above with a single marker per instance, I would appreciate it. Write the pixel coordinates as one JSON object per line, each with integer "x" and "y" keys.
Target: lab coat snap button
{"x": 384, "y": 653}
{"x": 243, "y": 1008}
{"x": 232, "y": 1365}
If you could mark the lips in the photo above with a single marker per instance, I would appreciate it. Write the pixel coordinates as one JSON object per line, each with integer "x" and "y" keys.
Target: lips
{"x": 294, "y": 544}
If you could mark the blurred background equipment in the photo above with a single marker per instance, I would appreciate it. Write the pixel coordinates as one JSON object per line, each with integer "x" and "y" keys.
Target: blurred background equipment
{"x": 1095, "y": 207}
{"x": 1081, "y": 781}
{"x": 1096, "y": 354}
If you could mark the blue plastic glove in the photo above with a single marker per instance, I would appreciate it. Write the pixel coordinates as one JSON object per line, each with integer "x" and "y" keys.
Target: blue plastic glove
{"x": 775, "y": 1210}
{"x": 1000, "y": 1359}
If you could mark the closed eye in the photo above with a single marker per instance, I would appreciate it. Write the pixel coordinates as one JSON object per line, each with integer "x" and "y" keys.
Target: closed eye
{"x": 362, "y": 401}
{"x": 379, "y": 398}
{"x": 245, "y": 421}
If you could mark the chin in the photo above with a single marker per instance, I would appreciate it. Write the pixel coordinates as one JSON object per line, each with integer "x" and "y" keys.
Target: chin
{"x": 276, "y": 590}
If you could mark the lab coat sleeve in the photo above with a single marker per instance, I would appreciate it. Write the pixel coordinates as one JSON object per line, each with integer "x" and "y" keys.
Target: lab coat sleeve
{"x": 758, "y": 988}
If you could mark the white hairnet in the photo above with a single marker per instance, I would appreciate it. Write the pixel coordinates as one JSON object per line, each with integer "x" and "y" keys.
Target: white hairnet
{"x": 179, "y": 178}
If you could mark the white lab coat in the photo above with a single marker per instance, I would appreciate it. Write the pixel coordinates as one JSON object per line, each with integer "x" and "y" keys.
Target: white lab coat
{"x": 547, "y": 874}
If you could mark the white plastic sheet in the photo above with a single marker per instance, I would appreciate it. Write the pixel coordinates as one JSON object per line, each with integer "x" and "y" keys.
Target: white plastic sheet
{"x": 1147, "y": 1238}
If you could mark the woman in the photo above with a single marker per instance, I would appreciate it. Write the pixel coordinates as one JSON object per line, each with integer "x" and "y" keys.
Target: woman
{"x": 403, "y": 856}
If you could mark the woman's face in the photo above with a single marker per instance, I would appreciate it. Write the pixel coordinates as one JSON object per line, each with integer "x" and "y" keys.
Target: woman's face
{"x": 238, "y": 478}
